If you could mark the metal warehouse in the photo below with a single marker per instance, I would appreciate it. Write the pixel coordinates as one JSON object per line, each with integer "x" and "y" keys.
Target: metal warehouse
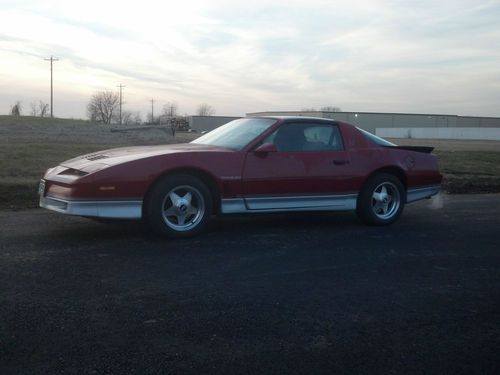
{"x": 397, "y": 125}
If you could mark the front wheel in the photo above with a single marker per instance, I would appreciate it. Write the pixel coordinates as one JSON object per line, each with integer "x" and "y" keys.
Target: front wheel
{"x": 178, "y": 206}
{"x": 381, "y": 201}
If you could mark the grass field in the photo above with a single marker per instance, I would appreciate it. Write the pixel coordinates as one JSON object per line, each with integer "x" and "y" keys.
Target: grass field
{"x": 23, "y": 164}
{"x": 468, "y": 166}
{"x": 28, "y": 146}
{"x": 470, "y": 171}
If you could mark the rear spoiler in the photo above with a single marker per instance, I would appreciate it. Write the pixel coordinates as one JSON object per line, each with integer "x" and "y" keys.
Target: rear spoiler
{"x": 423, "y": 149}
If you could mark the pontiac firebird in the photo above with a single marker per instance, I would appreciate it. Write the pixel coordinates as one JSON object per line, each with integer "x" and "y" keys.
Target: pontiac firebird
{"x": 250, "y": 165}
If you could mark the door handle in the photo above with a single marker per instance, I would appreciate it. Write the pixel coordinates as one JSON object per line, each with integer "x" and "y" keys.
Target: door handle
{"x": 341, "y": 162}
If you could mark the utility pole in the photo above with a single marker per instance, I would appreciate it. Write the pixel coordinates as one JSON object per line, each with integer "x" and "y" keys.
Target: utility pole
{"x": 121, "y": 87}
{"x": 152, "y": 112}
{"x": 52, "y": 59}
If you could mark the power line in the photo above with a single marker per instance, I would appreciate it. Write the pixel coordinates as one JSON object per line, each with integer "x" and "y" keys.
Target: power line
{"x": 121, "y": 87}
{"x": 52, "y": 59}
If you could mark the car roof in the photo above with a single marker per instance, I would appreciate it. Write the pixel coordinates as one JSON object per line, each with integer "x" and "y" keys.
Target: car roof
{"x": 299, "y": 118}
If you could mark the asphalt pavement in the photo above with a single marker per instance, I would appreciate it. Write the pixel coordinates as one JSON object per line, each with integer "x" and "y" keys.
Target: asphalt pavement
{"x": 268, "y": 294}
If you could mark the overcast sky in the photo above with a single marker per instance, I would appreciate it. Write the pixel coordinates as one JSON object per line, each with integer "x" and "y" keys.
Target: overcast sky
{"x": 245, "y": 56}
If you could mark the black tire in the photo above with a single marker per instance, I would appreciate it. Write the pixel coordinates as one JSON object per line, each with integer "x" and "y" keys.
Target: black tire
{"x": 178, "y": 206}
{"x": 376, "y": 206}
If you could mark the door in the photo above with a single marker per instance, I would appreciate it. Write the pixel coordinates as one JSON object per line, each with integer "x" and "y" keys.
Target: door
{"x": 311, "y": 169}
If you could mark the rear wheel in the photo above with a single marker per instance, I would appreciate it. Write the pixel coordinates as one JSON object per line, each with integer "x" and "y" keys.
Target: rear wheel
{"x": 381, "y": 201}
{"x": 178, "y": 206}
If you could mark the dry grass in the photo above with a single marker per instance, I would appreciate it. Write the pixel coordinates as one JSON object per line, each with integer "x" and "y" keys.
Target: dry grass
{"x": 470, "y": 171}
{"x": 31, "y": 145}
{"x": 23, "y": 164}
{"x": 468, "y": 166}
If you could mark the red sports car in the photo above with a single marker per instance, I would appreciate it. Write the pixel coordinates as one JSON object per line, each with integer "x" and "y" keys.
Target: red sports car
{"x": 259, "y": 164}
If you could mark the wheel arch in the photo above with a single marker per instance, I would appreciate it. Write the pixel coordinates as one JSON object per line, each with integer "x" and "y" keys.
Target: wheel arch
{"x": 390, "y": 169}
{"x": 203, "y": 175}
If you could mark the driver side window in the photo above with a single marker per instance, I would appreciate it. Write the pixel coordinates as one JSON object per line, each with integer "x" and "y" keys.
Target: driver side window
{"x": 297, "y": 137}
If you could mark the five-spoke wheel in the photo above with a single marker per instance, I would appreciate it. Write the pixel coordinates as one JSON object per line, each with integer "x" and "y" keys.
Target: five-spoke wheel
{"x": 386, "y": 200}
{"x": 178, "y": 206}
{"x": 183, "y": 208}
{"x": 381, "y": 201}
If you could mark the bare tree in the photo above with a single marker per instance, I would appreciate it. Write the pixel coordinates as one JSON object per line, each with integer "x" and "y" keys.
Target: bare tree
{"x": 205, "y": 109}
{"x": 330, "y": 108}
{"x": 127, "y": 118}
{"x": 137, "y": 118}
{"x": 34, "y": 109}
{"x": 43, "y": 109}
{"x": 170, "y": 110}
{"x": 39, "y": 109}
{"x": 169, "y": 114}
{"x": 309, "y": 109}
{"x": 16, "y": 109}
{"x": 151, "y": 120}
{"x": 102, "y": 106}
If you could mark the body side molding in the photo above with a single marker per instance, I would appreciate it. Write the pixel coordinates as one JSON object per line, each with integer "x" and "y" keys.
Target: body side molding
{"x": 417, "y": 194}
{"x": 282, "y": 204}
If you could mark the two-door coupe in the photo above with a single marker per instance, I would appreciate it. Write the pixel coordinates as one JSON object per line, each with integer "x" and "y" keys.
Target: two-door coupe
{"x": 254, "y": 164}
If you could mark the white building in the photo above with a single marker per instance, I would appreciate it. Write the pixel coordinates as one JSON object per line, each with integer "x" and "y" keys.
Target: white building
{"x": 371, "y": 121}
{"x": 395, "y": 125}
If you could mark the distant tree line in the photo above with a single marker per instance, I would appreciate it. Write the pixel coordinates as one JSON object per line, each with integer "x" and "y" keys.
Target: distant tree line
{"x": 39, "y": 109}
{"x": 323, "y": 109}
{"x": 103, "y": 108}
{"x": 205, "y": 109}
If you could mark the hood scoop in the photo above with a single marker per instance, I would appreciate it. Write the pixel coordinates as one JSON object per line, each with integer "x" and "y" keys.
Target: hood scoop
{"x": 93, "y": 157}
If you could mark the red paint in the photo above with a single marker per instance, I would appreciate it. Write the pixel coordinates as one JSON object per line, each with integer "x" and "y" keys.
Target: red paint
{"x": 133, "y": 170}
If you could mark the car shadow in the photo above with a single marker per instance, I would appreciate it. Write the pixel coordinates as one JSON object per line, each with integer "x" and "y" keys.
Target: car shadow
{"x": 279, "y": 222}
{"x": 84, "y": 230}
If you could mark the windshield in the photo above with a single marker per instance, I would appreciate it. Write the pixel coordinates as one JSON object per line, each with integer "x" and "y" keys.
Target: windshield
{"x": 236, "y": 134}
{"x": 376, "y": 139}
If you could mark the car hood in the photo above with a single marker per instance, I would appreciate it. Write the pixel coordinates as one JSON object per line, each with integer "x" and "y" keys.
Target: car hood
{"x": 103, "y": 159}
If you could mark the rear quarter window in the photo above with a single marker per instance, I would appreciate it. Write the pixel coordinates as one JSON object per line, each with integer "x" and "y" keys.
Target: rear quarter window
{"x": 375, "y": 139}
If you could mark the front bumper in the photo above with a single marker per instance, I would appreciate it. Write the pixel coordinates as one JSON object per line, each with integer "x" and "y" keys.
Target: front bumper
{"x": 106, "y": 209}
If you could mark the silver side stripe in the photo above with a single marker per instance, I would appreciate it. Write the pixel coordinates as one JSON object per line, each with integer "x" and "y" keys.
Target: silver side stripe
{"x": 422, "y": 193}
{"x": 133, "y": 209}
{"x": 299, "y": 203}
{"x": 310, "y": 203}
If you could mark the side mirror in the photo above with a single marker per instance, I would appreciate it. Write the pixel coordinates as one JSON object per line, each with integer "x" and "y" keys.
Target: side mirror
{"x": 265, "y": 149}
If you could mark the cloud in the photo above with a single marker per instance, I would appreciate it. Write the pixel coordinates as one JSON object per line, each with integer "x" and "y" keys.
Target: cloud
{"x": 242, "y": 57}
